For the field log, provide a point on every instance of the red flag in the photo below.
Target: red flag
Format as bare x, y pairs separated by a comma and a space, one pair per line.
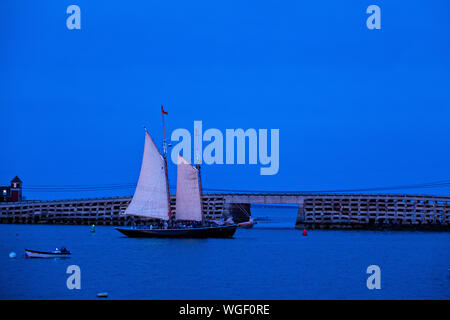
162, 110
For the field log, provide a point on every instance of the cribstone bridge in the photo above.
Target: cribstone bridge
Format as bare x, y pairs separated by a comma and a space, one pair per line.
325, 211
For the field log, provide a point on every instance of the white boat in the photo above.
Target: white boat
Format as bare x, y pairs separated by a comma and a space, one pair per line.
58, 253
247, 224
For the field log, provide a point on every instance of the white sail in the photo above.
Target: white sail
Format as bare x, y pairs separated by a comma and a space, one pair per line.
150, 198
188, 205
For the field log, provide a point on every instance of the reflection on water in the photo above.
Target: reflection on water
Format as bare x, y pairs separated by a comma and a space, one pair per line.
274, 216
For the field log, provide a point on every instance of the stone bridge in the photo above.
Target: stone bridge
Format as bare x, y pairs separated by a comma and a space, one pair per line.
353, 211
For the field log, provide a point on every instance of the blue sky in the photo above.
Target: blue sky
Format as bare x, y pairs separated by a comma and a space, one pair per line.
355, 107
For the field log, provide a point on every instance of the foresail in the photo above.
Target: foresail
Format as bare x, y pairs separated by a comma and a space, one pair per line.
150, 197
188, 205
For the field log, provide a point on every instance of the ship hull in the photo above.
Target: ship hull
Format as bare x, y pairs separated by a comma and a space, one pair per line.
203, 232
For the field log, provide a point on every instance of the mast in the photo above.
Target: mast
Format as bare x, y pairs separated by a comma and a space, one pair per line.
165, 162
199, 178
201, 192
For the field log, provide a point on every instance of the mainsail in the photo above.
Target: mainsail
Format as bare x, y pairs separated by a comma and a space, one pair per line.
188, 205
151, 198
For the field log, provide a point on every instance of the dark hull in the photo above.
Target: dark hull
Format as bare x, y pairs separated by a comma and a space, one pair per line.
42, 254
204, 232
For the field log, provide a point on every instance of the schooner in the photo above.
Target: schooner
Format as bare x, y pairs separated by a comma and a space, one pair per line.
152, 199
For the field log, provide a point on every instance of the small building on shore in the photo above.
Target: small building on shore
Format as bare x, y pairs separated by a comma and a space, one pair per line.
13, 192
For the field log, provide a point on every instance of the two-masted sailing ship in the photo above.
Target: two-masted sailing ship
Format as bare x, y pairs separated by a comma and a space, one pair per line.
151, 199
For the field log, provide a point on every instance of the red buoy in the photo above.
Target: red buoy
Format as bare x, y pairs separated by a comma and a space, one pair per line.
304, 232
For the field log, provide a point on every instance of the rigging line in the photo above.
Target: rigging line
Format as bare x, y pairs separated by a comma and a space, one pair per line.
339, 190
84, 188
243, 210
245, 191
309, 191
221, 189
133, 184
67, 188
79, 186
79, 189
238, 190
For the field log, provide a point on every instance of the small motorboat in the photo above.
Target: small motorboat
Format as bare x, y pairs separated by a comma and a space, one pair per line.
57, 253
247, 224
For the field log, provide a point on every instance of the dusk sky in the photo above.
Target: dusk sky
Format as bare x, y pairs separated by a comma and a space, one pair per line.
356, 108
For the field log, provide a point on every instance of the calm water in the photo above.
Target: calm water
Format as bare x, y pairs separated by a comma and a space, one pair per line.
271, 261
